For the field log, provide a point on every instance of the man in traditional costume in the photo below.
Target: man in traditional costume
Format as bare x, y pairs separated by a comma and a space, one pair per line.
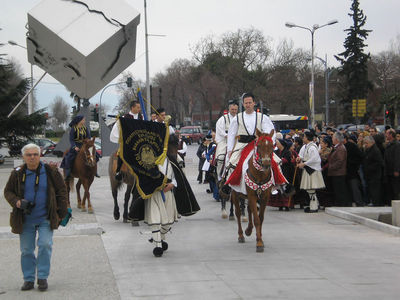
134, 113
160, 210
241, 134
77, 134
221, 136
310, 161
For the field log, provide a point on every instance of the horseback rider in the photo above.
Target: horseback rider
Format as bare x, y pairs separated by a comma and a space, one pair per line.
243, 128
221, 135
78, 133
134, 113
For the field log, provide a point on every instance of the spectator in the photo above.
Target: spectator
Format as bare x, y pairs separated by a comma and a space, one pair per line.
202, 158
392, 167
337, 170
38, 195
354, 160
372, 168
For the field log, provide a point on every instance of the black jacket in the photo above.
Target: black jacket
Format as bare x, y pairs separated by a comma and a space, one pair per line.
354, 160
392, 158
373, 163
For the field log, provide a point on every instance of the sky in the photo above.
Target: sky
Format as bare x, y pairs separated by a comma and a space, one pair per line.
185, 22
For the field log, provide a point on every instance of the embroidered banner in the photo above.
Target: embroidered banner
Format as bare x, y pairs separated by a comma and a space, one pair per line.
143, 146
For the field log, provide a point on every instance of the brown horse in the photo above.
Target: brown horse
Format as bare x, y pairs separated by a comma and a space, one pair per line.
84, 168
128, 179
258, 187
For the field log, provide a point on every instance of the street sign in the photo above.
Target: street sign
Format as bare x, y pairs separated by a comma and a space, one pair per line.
359, 107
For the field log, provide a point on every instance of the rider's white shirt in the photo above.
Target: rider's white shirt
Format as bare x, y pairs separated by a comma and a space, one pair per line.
220, 128
114, 134
250, 122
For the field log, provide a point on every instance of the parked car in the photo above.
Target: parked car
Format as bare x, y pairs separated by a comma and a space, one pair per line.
192, 134
46, 146
354, 128
344, 126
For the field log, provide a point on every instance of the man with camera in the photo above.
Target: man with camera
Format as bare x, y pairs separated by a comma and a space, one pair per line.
38, 196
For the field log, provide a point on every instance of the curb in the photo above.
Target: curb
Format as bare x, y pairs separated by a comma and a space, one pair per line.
70, 230
363, 220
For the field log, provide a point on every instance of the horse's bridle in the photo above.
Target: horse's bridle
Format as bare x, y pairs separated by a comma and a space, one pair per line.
89, 158
250, 180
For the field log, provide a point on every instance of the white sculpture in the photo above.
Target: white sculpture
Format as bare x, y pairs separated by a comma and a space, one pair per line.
83, 44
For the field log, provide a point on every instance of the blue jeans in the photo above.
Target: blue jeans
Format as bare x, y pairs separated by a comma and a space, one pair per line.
214, 188
27, 239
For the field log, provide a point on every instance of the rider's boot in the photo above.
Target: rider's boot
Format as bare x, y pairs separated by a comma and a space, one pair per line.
67, 174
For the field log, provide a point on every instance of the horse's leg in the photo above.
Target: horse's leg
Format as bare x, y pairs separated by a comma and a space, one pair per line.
68, 191
128, 194
78, 193
235, 200
231, 215
249, 228
257, 219
87, 194
114, 191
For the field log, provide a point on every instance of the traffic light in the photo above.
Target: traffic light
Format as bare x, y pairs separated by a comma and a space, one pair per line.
95, 113
129, 82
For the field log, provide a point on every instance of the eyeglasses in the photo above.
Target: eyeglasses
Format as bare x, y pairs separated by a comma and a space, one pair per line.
31, 154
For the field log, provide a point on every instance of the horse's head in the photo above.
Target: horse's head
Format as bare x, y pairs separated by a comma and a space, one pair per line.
264, 148
173, 146
89, 151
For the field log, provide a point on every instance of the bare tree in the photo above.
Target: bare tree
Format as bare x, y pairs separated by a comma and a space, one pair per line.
58, 113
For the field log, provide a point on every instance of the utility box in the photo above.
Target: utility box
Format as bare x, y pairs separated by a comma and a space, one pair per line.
83, 44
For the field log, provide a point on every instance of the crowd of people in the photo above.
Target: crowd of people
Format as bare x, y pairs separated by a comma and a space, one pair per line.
326, 166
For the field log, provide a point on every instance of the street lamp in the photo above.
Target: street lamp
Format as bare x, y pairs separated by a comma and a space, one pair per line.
30, 98
311, 30
327, 75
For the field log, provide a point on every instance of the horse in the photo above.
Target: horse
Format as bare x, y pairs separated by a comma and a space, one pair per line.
258, 187
128, 179
84, 168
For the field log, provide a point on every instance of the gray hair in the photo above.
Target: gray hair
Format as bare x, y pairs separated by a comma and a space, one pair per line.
30, 146
369, 139
339, 136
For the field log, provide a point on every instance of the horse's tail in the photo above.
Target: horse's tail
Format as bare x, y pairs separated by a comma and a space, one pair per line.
112, 165
70, 183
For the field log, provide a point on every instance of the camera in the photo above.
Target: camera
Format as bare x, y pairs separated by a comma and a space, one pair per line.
27, 206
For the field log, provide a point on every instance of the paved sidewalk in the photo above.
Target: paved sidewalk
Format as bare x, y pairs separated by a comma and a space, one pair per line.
307, 256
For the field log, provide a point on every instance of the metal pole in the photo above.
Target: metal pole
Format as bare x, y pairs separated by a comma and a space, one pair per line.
26, 95
30, 98
326, 91
312, 80
148, 102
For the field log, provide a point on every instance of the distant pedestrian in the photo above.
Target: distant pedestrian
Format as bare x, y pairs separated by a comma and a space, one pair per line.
392, 167
38, 196
337, 170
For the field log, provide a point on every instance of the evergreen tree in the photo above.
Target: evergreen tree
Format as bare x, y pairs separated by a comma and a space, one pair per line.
12, 89
353, 60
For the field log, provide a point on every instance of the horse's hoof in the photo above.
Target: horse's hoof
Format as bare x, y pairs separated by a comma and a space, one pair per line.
125, 220
260, 249
83, 209
116, 216
248, 232
90, 210
231, 218
244, 219
224, 214
135, 223
241, 239
79, 206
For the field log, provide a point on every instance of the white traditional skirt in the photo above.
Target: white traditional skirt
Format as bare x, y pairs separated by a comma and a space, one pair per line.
158, 212
312, 182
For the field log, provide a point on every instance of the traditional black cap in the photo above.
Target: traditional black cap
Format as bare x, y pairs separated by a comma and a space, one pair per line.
75, 121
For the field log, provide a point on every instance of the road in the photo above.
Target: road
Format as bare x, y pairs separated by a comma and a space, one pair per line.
307, 256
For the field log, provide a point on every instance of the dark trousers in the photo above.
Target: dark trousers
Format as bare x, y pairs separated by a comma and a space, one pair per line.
340, 190
354, 186
392, 189
374, 189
